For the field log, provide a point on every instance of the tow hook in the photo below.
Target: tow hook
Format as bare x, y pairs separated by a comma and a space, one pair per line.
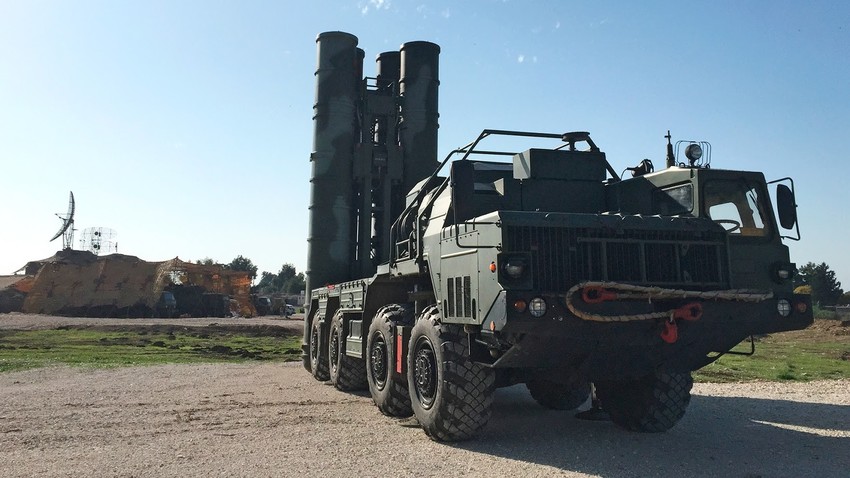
670, 334
692, 311
595, 295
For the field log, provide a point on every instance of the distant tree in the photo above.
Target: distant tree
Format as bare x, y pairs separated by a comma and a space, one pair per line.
826, 290
844, 299
243, 264
287, 271
266, 284
206, 261
295, 284
288, 280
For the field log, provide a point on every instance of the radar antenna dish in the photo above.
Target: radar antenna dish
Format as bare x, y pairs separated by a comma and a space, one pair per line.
67, 228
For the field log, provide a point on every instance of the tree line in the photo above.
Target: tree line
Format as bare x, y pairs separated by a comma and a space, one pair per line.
819, 281
286, 281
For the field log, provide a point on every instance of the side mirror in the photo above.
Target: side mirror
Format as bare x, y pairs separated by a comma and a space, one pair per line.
786, 206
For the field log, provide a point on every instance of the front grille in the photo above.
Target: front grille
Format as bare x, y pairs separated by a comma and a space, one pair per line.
564, 256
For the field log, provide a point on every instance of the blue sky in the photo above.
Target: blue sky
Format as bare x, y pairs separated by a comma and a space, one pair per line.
186, 125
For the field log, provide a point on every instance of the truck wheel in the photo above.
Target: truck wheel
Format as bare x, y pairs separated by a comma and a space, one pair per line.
559, 396
388, 388
346, 373
450, 395
650, 404
318, 352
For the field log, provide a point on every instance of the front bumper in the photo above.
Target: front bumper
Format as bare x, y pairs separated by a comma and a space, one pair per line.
633, 347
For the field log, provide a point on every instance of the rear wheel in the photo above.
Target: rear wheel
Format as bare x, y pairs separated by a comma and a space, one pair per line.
318, 352
346, 373
450, 395
653, 403
559, 396
388, 388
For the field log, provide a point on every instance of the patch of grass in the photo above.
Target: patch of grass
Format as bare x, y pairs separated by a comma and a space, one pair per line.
782, 357
94, 347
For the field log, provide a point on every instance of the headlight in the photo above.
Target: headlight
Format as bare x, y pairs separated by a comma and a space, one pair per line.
537, 307
693, 152
514, 268
783, 307
782, 272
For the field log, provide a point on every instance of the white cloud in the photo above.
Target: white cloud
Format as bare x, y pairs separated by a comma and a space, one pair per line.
446, 13
522, 58
374, 4
423, 11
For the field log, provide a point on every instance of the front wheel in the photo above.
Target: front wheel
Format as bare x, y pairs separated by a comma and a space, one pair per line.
450, 395
651, 404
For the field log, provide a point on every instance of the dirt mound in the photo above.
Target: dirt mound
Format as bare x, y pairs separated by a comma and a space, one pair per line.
830, 327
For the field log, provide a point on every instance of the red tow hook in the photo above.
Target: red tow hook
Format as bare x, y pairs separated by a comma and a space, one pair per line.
595, 295
692, 311
670, 334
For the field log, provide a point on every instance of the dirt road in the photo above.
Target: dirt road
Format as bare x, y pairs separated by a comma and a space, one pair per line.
272, 419
275, 420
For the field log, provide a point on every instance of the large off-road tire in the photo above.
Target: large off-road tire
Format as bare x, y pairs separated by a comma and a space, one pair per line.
450, 395
318, 352
650, 404
388, 388
346, 373
559, 396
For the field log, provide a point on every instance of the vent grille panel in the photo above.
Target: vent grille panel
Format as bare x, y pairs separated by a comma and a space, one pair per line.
563, 256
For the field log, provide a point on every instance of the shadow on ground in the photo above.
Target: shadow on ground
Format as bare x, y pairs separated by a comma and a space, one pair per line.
719, 436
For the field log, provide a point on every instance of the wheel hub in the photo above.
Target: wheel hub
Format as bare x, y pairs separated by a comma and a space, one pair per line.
425, 375
314, 345
378, 356
334, 350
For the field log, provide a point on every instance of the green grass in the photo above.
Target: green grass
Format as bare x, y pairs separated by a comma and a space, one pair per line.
796, 356
101, 347
781, 358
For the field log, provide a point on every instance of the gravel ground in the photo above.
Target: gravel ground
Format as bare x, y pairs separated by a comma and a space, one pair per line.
272, 419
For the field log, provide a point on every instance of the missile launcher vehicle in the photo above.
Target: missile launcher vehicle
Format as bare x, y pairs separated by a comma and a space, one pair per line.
433, 283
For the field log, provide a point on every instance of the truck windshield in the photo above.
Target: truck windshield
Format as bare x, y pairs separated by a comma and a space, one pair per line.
736, 205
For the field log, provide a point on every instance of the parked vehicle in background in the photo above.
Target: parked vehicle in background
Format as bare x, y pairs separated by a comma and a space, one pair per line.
215, 304
166, 306
263, 306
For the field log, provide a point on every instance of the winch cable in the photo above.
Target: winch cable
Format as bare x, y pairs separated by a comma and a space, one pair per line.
596, 292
